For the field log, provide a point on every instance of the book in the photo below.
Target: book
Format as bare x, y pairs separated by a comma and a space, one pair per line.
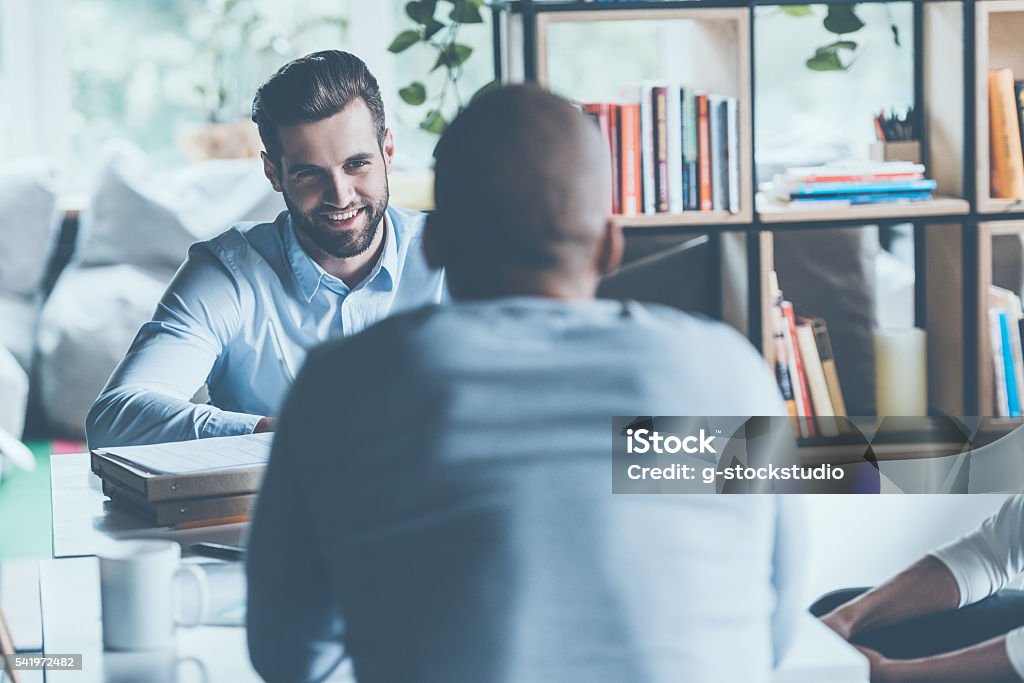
688, 105
801, 391
1012, 393
819, 201
850, 188
1006, 158
605, 115
828, 365
674, 121
659, 105
703, 153
998, 363
174, 512
820, 399
647, 161
630, 171
732, 154
853, 171
187, 469
783, 371
719, 172
1007, 306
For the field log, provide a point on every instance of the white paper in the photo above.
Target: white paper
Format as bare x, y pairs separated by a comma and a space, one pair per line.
199, 455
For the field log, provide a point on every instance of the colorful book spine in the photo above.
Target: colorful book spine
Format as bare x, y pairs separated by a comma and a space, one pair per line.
704, 153
1006, 156
647, 185
675, 150
631, 173
659, 100
719, 173
732, 154
1012, 394
812, 189
690, 153
998, 363
801, 391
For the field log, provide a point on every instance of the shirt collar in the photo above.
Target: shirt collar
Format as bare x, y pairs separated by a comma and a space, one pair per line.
310, 276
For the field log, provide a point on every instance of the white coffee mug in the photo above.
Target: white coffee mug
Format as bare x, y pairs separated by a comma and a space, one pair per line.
138, 594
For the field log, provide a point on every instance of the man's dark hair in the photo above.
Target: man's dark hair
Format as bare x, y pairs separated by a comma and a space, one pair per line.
313, 88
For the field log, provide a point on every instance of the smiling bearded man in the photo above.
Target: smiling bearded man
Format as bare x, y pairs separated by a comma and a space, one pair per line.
246, 306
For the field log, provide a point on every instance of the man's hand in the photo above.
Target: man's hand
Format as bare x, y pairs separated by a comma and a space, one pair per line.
880, 666
266, 424
837, 621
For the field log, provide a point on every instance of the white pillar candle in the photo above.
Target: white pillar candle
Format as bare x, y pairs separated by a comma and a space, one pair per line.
901, 372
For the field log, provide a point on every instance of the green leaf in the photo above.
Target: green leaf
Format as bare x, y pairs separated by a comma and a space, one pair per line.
421, 12
466, 12
842, 19
433, 122
415, 94
486, 88
828, 61
452, 56
842, 45
432, 28
403, 41
797, 10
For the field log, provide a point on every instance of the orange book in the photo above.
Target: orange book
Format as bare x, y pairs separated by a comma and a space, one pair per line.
1006, 160
704, 152
629, 177
801, 391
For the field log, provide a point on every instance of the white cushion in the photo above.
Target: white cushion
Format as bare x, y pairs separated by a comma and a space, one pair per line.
146, 217
18, 316
86, 326
28, 221
14, 390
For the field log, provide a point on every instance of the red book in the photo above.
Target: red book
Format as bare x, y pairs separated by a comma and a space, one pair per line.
631, 173
660, 98
860, 178
704, 152
802, 390
600, 112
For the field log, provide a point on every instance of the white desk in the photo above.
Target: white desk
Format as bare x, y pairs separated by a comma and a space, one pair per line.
83, 518
70, 614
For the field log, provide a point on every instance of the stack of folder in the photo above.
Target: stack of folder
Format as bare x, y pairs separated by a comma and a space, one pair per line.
190, 483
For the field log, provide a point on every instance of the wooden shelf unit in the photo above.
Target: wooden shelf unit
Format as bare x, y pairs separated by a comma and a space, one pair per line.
958, 41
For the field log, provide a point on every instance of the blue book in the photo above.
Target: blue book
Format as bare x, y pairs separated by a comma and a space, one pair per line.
1012, 395
865, 198
801, 189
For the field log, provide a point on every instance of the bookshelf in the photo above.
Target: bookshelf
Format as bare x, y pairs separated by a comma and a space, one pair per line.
955, 43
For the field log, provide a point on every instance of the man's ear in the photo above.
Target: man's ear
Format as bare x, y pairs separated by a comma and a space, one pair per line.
270, 170
432, 251
609, 253
388, 150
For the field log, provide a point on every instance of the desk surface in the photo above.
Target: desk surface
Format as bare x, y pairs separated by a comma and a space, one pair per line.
68, 591
83, 518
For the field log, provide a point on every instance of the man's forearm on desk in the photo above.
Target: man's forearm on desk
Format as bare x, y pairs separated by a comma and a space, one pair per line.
126, 418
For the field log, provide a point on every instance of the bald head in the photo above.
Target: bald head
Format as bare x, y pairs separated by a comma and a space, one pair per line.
521, 190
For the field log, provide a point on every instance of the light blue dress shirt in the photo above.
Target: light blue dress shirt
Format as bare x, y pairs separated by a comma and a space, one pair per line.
239, 316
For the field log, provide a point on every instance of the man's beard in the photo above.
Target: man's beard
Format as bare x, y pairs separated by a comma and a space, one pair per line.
339, 245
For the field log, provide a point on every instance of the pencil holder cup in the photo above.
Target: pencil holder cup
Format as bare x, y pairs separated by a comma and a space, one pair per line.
904, 150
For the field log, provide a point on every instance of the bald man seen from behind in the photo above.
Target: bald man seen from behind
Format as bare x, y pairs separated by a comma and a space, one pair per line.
438, 503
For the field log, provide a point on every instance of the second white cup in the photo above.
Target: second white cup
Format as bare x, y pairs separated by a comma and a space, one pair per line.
138, 586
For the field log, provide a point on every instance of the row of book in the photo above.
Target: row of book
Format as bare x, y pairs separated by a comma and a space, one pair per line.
805, 369
1004, 326
672, 149
186, 484
851, 183
1006, 129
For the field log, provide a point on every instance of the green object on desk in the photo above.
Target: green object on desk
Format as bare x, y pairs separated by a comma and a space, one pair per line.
25, 517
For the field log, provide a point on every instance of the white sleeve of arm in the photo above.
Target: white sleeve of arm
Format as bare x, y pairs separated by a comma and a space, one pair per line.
985, 560
147, 398
294, 627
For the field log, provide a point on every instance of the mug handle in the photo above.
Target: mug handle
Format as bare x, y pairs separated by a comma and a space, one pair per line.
203, 589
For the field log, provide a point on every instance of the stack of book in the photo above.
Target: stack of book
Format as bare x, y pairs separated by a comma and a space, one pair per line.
805, 369
672, 149
1004, 327
851, 183
185, 484
1006, 116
